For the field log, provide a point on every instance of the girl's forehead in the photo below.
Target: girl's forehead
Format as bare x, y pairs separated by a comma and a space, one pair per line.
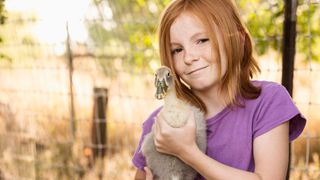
185, 23
187, 18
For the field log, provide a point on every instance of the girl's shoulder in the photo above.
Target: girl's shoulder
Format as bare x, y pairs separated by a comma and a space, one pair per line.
273, 107
271, 89
273, 98
267, 85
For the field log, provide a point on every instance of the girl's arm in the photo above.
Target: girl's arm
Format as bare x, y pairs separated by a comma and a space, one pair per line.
270, 152
140, 175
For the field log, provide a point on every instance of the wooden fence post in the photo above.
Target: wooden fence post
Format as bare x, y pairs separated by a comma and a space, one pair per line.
99, 125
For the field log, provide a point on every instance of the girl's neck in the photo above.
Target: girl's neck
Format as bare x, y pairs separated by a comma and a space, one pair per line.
213, 101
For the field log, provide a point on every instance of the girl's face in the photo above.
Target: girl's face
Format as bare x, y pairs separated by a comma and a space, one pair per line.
194, 59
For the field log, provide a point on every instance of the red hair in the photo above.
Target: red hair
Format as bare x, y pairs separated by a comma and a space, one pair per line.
241, 65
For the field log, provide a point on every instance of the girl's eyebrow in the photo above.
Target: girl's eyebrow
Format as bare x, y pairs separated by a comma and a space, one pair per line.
194, 36
174, 44
198, 34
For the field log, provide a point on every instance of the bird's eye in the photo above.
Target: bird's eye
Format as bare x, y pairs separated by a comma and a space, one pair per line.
168, 74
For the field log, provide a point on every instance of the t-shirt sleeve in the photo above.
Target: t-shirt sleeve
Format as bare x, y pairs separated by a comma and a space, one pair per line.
275, 108
138, 159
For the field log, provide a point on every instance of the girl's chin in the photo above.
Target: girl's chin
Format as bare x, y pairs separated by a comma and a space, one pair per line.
202, 86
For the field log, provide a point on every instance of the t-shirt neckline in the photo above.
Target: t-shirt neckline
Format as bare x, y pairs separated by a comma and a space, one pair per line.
218, 116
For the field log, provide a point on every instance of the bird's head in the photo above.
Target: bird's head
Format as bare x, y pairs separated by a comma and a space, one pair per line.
163, 82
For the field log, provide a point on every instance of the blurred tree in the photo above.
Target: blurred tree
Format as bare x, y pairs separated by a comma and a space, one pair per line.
264, 20
18, 42
2, 20
2, 11
308, 29
130, 33
131, 29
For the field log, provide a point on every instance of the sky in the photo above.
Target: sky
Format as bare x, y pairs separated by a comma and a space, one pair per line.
53, 16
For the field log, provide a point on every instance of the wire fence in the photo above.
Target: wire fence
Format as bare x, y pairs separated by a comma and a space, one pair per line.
73, 110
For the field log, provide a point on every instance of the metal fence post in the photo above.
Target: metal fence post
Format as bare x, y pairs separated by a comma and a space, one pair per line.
288, 52
70, 68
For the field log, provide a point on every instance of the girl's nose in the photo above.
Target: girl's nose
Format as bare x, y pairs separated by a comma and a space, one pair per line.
190, 56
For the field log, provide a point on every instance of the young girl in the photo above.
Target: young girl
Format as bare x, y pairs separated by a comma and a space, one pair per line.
249, 123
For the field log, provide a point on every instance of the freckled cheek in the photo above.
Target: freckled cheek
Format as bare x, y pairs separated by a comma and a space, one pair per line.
178, 71
211, 55
178, 67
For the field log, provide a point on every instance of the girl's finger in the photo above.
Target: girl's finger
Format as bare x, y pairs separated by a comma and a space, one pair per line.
149, 175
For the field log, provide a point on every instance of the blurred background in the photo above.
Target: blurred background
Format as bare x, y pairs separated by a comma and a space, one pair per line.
76, 82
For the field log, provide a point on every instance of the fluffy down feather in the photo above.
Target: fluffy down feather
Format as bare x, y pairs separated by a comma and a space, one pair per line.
175, 111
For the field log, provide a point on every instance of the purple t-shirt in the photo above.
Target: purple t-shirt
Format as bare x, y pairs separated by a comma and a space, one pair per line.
231, 132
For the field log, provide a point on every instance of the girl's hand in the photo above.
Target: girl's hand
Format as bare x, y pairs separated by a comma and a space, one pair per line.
149, 175
175, 141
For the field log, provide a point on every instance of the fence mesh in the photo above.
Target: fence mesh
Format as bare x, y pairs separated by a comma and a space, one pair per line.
38, 107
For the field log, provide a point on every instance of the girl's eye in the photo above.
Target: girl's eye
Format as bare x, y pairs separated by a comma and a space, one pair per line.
200, 41
176, 51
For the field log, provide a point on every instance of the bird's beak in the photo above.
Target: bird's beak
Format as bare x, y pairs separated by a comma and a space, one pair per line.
162, 88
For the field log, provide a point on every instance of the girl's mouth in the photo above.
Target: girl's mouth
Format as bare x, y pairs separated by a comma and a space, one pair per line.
195, 70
